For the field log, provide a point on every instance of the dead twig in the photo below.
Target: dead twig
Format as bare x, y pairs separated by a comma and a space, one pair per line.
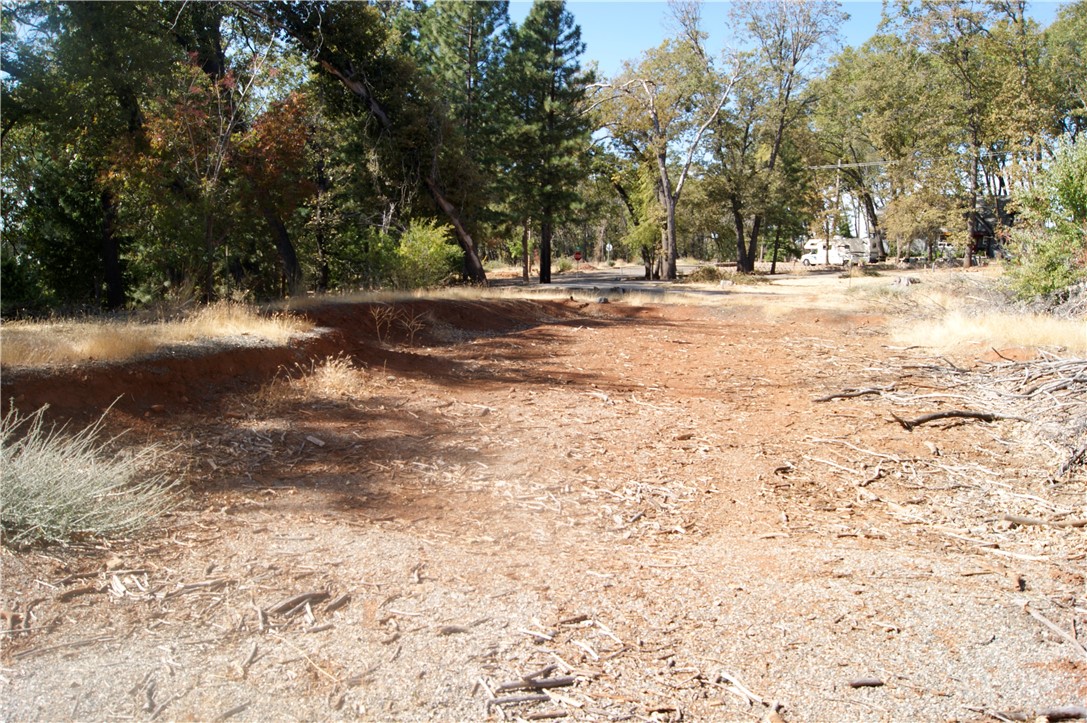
735, 686
307, 658
850, 393
243, 667
293, 604
62, 646
338, 603
1057, 629
538, 683
1018, 520
77, 591
1068, 712
213, 584
234, 711
510, 699
909, 424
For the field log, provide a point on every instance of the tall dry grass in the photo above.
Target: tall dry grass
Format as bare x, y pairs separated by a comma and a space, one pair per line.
69, 341
334, 378
953, 310
957, 329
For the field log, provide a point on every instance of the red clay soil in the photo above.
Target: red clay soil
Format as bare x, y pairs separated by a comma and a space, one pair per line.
526, 509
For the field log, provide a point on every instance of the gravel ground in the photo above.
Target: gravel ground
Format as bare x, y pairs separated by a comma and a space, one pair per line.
590, 511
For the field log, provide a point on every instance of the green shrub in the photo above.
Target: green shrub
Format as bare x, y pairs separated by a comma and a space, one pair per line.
55, 487
1050, 244
562, 265
426, 257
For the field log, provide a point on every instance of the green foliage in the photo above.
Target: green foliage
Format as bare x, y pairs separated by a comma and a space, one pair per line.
1051, 242
56, 487
548, 137
56, 228
768, 111
425, 257
1066, 66
642, 241
245, 149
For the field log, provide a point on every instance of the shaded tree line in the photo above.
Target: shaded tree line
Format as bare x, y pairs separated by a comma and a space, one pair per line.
259, 150
230, 149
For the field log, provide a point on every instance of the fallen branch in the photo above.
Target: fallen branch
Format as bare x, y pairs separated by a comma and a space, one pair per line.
511, 699
213, 584
297, 602
538, 683
1017, 520
234, 711
1057, 629
850, 393
1068, 712
909, 424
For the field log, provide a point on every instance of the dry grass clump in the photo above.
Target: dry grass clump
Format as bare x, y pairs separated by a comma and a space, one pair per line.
332, 378
55, 486
61, 342
997, 329
953, 310
704, 275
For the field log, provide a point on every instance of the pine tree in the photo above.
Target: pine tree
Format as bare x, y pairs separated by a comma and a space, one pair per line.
462, 47
549, 132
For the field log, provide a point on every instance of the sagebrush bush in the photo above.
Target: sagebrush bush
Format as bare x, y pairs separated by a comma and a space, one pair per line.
56, 486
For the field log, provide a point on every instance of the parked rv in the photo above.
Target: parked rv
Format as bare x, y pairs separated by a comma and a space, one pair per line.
831, 257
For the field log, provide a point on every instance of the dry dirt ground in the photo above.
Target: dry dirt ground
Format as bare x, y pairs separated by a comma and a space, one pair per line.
529, 509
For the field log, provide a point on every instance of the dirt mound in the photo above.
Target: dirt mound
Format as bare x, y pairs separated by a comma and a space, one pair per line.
200, 375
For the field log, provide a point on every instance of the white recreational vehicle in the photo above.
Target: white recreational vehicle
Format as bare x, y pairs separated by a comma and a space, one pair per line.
838, 252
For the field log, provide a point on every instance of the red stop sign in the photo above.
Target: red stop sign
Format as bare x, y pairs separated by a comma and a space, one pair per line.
577, 256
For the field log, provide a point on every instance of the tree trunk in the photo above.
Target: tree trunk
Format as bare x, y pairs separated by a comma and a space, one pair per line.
111, 254
972, 216
525, 259
208, 282
668, 202
741, 245
545, 249
323, 272
473, 266
777, 243
753, 241
288, 257
671, 251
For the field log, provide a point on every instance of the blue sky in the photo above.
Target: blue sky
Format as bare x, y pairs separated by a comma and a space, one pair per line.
618, 30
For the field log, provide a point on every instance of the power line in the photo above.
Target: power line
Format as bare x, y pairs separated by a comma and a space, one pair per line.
871, 164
